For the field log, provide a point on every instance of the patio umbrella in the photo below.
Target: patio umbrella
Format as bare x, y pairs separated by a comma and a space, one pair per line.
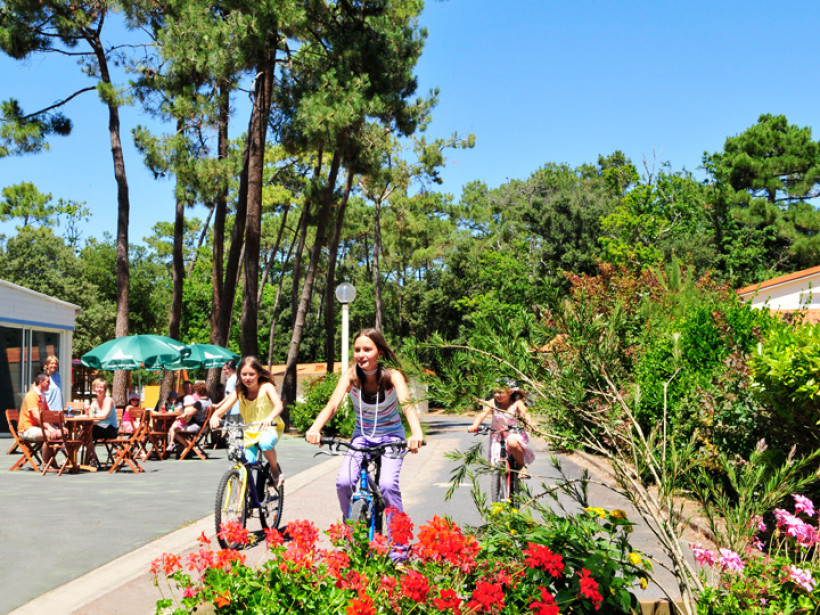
134, 351
206, 356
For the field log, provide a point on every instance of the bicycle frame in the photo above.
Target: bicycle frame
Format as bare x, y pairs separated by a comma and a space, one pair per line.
367, 489
506, 463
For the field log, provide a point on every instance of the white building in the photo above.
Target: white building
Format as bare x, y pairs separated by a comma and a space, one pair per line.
794, 292
32, 327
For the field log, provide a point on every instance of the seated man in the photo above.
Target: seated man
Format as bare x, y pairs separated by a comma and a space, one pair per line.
30, 427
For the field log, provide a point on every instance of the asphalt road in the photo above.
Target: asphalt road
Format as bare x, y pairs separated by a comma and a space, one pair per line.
82, 543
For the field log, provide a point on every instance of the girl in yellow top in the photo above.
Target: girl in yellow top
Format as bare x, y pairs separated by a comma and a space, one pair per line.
260, 407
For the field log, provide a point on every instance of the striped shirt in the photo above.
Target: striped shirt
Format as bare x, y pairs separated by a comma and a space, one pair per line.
376, 418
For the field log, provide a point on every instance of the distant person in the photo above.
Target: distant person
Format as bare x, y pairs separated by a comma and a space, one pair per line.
103, 406
54, 395
129, 423
229, 370
29, 426
508, 409
194, 412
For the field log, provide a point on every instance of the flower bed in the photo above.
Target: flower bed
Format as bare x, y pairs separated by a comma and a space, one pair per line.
513, 564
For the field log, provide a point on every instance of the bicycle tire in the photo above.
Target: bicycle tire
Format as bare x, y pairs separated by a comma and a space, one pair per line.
271, 500
230, 505
498, 483
360, 512
377, 507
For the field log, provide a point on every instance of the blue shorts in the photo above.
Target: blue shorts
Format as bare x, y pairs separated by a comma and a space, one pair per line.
267, 440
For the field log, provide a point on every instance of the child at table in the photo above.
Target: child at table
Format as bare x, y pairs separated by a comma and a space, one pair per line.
129, 424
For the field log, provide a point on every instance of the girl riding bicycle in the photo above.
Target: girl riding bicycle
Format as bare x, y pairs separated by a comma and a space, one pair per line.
376, 393
507, 408
260, 407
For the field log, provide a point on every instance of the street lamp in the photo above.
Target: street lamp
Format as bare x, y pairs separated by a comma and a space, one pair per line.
345, 294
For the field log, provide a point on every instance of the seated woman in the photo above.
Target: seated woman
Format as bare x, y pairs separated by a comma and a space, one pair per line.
103, 406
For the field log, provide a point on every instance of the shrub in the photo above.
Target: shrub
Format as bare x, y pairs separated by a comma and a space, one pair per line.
317, 392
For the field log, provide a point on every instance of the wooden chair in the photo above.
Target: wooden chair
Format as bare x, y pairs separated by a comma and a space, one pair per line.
157, 435
30, 450
123, 447
195, 440
76, 406
60, 444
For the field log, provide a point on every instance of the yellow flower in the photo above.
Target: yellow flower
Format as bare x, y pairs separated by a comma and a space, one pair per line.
513, 532
643, 583
618, 514
635, 558
597, 511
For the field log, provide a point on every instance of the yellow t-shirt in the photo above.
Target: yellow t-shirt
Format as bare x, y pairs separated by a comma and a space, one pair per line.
253, 412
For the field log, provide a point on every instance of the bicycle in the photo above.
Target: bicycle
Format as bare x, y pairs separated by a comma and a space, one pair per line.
367, 503
504, 481
246, 490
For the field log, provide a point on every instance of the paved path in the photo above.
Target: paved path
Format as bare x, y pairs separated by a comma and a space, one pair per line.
82, 544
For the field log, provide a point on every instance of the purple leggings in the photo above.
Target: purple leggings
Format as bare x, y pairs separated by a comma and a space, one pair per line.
388, 479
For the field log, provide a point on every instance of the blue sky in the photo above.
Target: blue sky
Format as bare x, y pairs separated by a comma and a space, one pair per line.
535, 81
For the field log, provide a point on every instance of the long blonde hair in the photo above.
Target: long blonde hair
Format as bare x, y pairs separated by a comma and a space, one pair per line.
384, 374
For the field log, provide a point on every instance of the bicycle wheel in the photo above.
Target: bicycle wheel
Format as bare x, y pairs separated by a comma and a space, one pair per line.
271, 500
230, 504
360, 512
498, 483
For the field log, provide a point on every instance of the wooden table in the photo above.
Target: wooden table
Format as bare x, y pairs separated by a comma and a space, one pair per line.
160, 424
81, 427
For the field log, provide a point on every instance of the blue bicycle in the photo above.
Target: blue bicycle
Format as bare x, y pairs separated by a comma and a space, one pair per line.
367, 503
246, 490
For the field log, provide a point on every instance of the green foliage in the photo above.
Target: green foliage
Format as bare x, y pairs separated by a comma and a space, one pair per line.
317, 393
21, 134
785, 369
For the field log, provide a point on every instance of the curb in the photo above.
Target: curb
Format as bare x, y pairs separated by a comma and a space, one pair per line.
125, 569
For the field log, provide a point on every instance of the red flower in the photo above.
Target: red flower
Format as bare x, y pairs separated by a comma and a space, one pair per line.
415, 586
589, 588
361, 605
223, 599
273, 538
486, 596
379, 544
168, 563
449, 600
539, 556
547, 606
339, 533
226, 557
234, 532
353, 580
200, 560
304, 534
336, 561
442, 541
400, 528
204, 539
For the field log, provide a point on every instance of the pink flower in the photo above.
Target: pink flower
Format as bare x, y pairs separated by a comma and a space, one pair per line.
704, 557
803, 504
801, 577
758, 521
729, 560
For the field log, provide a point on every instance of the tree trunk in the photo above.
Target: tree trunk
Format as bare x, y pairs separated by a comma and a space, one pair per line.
220, 213
289, 382
273, 253
123, 214
275, 310
377, 283
332, 254
200, 241
257, 131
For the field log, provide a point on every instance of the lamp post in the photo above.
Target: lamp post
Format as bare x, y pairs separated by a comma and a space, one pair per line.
345, 294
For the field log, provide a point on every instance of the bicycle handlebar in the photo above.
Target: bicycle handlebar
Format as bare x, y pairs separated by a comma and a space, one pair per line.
335, 444
483, 430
